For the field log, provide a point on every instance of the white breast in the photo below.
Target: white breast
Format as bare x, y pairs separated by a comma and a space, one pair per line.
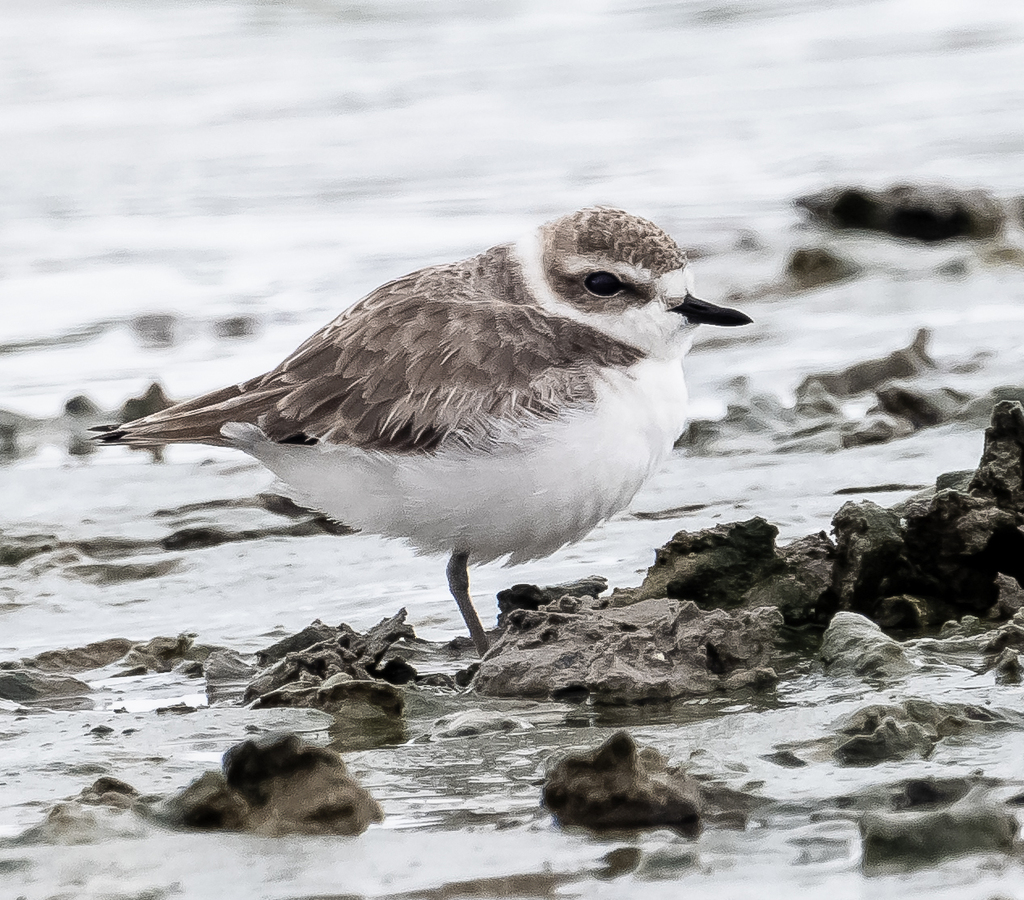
538, 489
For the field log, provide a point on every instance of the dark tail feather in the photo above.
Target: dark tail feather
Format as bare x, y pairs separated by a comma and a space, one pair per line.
196, 421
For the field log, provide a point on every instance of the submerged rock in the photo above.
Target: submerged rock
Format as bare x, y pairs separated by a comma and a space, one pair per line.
900, 385
652, 650
618, 786
920, 837
921, 408
922, 212
474, 723
161, 654
276, 785
110, 791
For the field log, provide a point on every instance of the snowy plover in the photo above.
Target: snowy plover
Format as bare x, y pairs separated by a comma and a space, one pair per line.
499, 406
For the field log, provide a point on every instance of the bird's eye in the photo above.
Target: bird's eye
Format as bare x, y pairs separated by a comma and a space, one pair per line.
604, 284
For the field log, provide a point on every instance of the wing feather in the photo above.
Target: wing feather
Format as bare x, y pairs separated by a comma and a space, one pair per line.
426, 360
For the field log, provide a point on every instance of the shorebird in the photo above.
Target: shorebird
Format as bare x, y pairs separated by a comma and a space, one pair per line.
500, 406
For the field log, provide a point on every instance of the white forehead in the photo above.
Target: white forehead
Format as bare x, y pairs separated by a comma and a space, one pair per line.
677, 283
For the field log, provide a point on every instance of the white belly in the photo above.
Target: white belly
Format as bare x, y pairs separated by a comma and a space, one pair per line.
532, 493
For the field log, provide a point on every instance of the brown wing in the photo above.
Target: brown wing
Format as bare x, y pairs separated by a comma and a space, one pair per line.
428, 359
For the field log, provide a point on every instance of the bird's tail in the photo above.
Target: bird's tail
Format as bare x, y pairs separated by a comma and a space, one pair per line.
197, 421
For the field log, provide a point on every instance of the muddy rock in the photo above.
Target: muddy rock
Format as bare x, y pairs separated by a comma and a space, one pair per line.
978, 412
532, 597
926, 213
1000, 474
876, 428
715, 566
154, 400
334, 651
903, 403
869, 561
340, 692
800, 588
80, 659
618, 786
38, 688
315, 633
651, 650
207, 804
473, 723
1008, 636
11, 427
227, 674
854, 645
1010, 599
958, 546
110, 791
276, 785
337, 670
1007, 667
161, 654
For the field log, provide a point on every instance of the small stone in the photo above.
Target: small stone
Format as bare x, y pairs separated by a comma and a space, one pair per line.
619, 787
854, 645
811, 267
295, 787
1008, 667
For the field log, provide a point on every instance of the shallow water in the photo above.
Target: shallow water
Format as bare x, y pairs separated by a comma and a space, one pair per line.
189, 191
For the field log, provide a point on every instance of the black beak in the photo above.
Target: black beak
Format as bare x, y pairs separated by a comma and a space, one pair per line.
700, 312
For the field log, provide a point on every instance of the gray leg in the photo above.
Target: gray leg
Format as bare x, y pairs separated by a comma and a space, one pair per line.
458, 584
